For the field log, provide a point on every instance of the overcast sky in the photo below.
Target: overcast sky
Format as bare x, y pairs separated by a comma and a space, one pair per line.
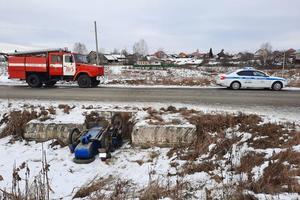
173, 25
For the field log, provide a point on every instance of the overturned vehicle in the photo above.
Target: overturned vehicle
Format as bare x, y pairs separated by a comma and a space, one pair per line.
97, 140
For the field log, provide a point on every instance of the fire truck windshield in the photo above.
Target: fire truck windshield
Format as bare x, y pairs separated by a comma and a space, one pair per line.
79, 58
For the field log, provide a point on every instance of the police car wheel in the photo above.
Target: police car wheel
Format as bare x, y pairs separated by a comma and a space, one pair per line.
235, 85
277, 86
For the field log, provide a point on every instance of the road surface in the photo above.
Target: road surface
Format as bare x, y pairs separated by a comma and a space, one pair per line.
212, 96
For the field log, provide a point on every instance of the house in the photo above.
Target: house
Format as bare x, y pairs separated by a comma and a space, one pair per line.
107, 58
131, 59
92, 57
149, 60
279, 56
2, 61
173, 55
223, 55
197, 54
182, 55
238, 57
110, 59
259, 53
297, 56
120, 58
160, 55
291, 53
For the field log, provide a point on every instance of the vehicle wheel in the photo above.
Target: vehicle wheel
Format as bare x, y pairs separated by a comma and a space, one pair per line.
34, 80
50, 83
117, 121
84, 81
74, 136
277, 86
83, 161
95, 83
235, 85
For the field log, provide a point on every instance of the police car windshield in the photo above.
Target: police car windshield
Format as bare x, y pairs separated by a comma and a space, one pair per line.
79, 58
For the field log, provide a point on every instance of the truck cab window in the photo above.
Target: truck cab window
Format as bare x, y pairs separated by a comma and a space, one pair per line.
56, 59
68, 59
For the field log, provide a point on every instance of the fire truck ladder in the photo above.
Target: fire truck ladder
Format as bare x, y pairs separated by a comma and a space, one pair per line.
35, 52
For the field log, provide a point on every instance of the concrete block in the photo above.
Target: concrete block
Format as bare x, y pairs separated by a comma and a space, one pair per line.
162, 135
42, 132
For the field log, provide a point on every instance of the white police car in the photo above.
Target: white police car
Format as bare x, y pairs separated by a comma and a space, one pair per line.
250, 78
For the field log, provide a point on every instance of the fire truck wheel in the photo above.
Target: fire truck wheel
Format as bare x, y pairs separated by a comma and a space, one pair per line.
84, 81
95, 83
34, 80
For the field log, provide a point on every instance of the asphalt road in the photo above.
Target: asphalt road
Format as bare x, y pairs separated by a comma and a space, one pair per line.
212, 96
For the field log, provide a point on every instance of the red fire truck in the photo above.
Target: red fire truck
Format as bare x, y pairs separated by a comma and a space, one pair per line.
51, 65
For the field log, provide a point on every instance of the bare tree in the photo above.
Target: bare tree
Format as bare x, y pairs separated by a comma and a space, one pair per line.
266, 52
124, 52
80, 48
210, 54
115, 51
140, 47
102, 50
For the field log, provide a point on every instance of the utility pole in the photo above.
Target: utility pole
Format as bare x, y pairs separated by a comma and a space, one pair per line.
96, 38
283, 65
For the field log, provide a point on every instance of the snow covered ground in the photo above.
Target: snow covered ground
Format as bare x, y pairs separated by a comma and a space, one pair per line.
209, 174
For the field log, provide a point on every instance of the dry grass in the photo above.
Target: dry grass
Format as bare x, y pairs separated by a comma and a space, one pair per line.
249, 161
16, 123
206, 124
155, 191
66, 108
192, 167
5, 119
25, 189
186, 113
129, 82
108, 188
279, 177
189, 81
91, 187
112, 188
153, 155
154, 117
44, 114
51, 110
268, 135
93, 119
43, 111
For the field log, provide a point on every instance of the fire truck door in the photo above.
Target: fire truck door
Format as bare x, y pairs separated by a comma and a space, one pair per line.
69, 65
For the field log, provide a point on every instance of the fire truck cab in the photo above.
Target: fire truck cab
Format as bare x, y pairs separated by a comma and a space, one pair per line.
46, 67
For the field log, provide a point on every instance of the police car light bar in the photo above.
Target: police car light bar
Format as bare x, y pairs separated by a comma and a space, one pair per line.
248, 67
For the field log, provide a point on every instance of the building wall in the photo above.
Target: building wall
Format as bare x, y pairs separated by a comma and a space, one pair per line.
298, 56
